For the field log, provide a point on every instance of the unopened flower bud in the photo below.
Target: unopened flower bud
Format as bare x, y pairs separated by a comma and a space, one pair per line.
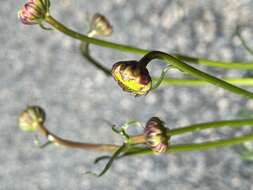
100, 26
31, 117
131, 77
34, 11
156, 135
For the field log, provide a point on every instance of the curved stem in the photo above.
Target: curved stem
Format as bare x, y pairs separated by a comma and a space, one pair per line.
139, 139
245, 45
194, 72
130, 49
125, 48
75, 144
84, 47
171, 81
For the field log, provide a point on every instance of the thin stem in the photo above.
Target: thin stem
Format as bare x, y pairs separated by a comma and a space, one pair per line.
140, 139
84, 47
208, 125
194, 72
74, 144
167, 80
130, 49
194, 147
80, 145
245, 45
125, 48
196, 82
221, 64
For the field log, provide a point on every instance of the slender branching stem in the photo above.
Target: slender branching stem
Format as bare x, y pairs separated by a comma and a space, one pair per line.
167, 80
140, 139
130, 49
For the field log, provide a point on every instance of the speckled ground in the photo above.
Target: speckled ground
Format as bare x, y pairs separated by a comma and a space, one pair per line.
45, 68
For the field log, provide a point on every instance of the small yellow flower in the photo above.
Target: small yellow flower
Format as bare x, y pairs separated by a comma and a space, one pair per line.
131, 77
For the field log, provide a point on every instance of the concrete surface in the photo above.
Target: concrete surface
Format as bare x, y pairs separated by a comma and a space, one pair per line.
45, 68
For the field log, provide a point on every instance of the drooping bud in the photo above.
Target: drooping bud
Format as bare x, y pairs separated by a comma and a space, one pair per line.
31, 117
34, 11
100, 26
131, 77
156, 135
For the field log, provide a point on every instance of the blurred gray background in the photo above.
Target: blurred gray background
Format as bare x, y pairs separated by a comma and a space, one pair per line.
45, 68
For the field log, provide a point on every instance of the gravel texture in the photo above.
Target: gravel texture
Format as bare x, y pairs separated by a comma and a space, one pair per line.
45, 68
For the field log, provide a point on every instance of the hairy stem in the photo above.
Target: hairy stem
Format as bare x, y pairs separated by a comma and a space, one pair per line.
130, 49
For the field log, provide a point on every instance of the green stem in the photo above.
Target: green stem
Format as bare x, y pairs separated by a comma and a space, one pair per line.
125, 48
221, 64
208, 125
194, 72
130, 49
194, 147
196, 82
245, 45
171, 81
84, 47
168, 80
140, 139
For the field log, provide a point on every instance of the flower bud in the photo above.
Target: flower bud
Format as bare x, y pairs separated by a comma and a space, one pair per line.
31, 117
100, 26
156, 135
34, 11
131, 77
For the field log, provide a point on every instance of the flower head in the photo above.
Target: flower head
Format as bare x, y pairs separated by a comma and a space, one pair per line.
156, 135
31, 117
100, 26
131, 77
34, 11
